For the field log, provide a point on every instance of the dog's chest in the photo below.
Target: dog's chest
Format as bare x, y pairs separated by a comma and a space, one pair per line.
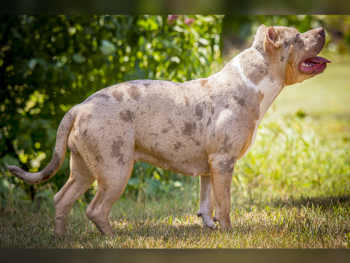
267, 90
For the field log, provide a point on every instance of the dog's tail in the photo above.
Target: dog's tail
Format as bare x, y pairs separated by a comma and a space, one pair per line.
58, 156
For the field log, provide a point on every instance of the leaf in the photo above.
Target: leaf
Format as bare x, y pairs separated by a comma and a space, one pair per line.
32, 63
170, 220
45, 194
72, 76
133, 182
42, 62
177, 184
10, 160
178, 29
15, 33
26, 72
4, 185
88, 30
78, 58
152, 186
28, 144
203, 41
107, 47
148, 24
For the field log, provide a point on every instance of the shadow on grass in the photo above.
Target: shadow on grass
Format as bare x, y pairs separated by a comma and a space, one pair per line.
324, 201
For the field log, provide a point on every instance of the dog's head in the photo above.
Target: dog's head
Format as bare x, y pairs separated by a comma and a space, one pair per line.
292, 55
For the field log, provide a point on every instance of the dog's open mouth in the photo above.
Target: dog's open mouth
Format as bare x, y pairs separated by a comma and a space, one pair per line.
313, 65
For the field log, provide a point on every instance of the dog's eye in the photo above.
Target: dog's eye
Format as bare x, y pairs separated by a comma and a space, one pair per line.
297, 35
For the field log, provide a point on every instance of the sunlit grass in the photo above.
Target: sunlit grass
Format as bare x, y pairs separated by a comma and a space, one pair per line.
289, 159
312, 223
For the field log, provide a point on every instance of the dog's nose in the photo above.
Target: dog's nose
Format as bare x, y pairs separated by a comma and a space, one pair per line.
320, 31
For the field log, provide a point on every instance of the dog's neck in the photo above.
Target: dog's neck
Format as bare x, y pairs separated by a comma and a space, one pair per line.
269, 86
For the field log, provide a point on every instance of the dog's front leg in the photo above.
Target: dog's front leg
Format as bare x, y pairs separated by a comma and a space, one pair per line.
207, 201
221, 168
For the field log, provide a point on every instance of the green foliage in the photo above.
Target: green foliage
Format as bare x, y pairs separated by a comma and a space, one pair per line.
50, 63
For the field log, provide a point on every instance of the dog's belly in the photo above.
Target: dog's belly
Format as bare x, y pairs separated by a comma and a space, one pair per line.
181, 161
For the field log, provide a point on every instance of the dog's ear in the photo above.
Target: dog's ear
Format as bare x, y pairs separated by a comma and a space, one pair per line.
262, 28
271, 39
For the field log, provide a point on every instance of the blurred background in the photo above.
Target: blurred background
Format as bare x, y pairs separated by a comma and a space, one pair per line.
50, 63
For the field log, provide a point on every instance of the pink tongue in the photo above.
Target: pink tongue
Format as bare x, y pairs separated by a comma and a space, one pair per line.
319, 60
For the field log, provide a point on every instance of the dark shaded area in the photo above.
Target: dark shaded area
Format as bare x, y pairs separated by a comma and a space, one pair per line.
176, 7
323, 201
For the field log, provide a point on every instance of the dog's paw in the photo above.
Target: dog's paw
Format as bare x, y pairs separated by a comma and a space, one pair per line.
213, 226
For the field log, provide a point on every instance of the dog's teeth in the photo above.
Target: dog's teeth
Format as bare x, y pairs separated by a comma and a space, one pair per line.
304, 64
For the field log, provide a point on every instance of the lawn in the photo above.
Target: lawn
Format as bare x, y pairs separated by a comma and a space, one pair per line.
291, 191
301, 223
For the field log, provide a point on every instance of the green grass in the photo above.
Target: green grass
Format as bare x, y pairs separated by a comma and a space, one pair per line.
301, 223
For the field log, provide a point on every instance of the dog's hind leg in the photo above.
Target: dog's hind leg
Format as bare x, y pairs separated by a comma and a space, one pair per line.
112, 178
107, 194
78, 183
207, 201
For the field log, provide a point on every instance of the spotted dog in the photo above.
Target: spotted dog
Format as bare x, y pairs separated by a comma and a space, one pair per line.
197, 128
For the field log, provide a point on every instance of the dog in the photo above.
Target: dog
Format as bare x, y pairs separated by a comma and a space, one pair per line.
197, 128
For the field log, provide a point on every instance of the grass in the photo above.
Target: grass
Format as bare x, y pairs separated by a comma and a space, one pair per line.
301, 223
291, 191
